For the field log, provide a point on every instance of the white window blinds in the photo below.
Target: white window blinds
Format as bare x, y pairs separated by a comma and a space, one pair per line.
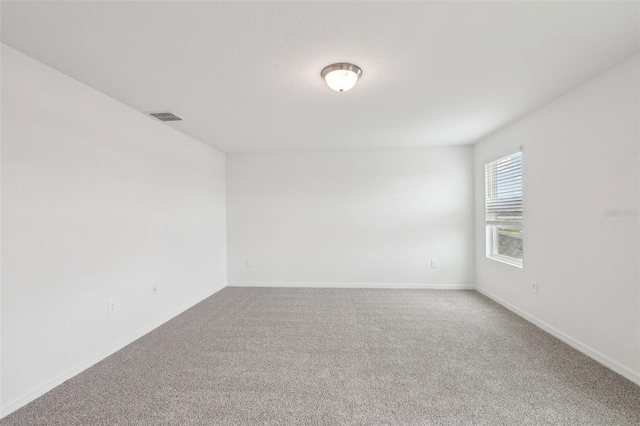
503, 191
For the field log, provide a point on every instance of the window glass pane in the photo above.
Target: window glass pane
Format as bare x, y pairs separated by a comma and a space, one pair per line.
509, 241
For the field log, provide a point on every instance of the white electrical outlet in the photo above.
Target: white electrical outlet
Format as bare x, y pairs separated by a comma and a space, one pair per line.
249, 263
434, 263
154, 290
534, 286
111, 306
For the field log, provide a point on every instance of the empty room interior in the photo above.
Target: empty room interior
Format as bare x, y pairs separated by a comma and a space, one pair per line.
320, 213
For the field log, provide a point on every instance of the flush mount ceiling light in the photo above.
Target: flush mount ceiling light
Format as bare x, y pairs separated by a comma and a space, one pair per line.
341, 77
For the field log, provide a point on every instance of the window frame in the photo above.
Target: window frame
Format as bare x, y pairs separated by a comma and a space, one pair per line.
491, 235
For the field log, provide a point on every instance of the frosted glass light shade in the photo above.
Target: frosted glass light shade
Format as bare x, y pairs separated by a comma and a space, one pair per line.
341, 80
341, 77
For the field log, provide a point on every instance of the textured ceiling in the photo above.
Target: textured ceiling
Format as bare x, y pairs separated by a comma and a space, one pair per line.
245, 76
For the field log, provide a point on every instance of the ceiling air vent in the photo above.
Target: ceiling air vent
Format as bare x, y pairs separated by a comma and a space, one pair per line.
165, 116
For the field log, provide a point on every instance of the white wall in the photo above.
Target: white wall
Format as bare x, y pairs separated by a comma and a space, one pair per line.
351, 217
580, 158
98, 202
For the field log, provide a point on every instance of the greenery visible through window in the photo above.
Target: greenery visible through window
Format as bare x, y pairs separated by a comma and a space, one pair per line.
503, 209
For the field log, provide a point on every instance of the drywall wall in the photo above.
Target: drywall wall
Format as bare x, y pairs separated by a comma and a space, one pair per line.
351, 218
98, 202
580, 160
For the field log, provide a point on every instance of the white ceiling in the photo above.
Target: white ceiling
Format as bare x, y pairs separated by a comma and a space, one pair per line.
245, 76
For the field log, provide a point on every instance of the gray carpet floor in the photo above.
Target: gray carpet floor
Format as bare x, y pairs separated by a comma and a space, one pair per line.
255, 356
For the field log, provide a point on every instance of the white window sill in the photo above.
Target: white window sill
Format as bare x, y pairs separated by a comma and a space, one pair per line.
506, 259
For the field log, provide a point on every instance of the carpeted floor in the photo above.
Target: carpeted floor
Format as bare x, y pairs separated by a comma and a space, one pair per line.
253, 356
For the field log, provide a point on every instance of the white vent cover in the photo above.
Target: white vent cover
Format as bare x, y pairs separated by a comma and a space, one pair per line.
165, 116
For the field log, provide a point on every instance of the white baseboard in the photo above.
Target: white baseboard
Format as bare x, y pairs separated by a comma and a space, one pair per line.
576, 344
40, 390
353, 285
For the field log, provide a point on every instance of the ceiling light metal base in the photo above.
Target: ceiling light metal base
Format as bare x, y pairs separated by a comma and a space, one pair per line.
341, 66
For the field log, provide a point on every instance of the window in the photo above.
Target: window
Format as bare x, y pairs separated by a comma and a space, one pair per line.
503, 209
